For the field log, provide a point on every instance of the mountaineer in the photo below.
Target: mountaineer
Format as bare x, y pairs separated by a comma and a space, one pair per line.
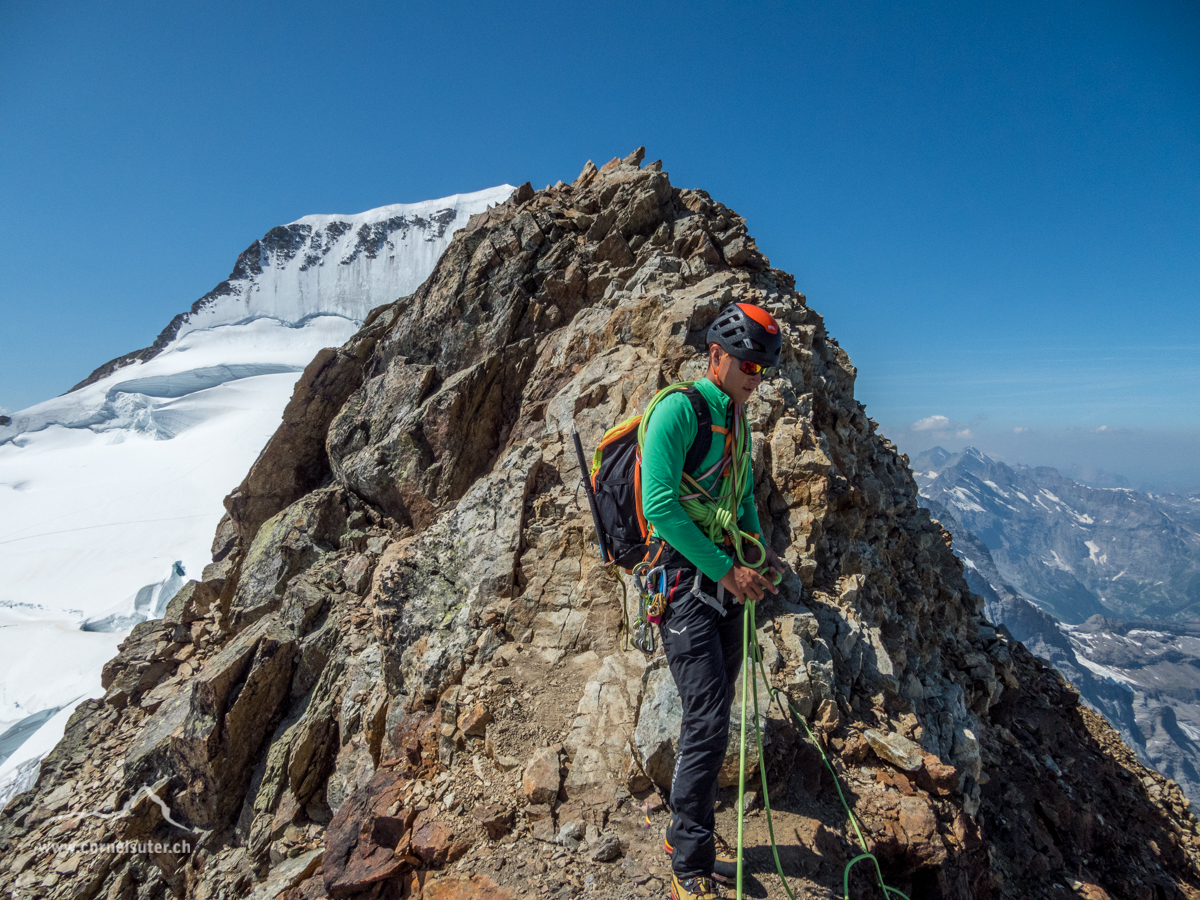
704, 585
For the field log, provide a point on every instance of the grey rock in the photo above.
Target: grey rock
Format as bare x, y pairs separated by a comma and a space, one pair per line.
658, 722
608, 848
896, 749
208, 732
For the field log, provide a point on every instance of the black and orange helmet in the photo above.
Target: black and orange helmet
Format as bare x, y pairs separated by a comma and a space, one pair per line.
747, 332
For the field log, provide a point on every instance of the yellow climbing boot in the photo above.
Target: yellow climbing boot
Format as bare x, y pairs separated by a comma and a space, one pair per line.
695, 888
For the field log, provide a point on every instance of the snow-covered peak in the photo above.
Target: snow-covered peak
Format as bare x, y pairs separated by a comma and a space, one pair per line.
423, 209
338, 264
302, 286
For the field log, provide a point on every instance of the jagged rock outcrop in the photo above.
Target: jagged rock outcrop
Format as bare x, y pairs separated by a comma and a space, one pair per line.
402, 674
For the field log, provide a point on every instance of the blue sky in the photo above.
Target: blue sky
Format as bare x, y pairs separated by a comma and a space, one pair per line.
996, 207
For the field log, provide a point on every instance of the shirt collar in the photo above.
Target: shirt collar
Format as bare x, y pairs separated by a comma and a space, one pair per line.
714, 395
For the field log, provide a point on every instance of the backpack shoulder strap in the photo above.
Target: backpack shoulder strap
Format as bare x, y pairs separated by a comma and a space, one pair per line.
704, 430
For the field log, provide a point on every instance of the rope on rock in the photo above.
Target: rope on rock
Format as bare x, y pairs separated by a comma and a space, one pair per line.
753, 663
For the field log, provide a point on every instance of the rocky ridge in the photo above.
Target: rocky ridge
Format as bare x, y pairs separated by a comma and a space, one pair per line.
401, 675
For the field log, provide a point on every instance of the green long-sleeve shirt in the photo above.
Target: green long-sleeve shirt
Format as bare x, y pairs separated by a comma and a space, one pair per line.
669, 434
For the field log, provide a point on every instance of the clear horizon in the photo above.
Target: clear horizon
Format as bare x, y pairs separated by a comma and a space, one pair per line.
994, 209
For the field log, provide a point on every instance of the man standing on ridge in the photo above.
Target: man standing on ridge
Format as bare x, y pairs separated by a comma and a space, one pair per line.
705, 586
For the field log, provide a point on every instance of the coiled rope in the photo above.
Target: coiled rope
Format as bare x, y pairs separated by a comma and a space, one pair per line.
717, 517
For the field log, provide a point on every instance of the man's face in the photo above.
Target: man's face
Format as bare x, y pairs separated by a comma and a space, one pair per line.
734, 382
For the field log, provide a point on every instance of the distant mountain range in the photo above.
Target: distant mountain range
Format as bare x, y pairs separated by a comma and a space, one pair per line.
1102, 582
1080, 551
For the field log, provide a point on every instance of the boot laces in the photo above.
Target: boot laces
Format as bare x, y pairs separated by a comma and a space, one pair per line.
724, 848
699, 887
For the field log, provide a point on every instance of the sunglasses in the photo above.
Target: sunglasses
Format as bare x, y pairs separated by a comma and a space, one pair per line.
753, 368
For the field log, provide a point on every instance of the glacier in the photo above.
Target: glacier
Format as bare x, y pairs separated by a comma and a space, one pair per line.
110, 494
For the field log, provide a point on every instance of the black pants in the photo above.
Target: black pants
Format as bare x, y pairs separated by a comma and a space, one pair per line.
704, 652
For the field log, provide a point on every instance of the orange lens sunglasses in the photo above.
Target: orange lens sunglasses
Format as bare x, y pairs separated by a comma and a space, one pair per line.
753, 368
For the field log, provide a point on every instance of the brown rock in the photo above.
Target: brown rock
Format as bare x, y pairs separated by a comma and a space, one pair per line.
523, 195
590, 814
495, 819
465, 887
541, 779
937, 777
357, 574
312, 888
615, 249
432, 841
361, 841
856, 750
586, 177
653, 803
828, 717
642, 216
894, 779
474, 722
544, 830
918, 831
295, 460
414, 742
813, 835
535, 812
1089, 891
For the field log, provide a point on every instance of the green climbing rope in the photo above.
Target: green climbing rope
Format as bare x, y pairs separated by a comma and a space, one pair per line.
717, 517
752, 660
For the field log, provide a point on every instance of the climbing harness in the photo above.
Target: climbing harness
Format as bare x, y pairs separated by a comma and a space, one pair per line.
753, 663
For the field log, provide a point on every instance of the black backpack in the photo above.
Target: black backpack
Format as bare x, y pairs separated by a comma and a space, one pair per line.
615, 480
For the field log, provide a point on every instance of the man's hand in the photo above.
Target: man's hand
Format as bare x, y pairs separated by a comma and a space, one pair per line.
744, 582
775, 563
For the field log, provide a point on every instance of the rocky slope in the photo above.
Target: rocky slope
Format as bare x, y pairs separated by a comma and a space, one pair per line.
1144, 676
401, 675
